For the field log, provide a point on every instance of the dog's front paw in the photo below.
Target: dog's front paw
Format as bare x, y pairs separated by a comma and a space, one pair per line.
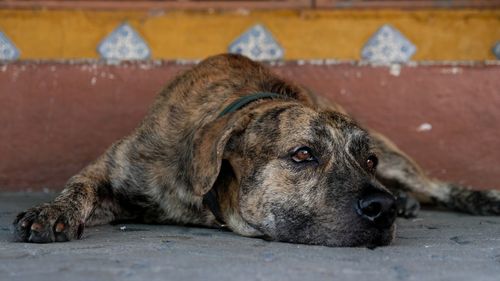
47, 223
406, 205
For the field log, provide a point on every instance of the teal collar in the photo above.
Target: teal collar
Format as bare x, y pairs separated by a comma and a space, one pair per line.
241, 102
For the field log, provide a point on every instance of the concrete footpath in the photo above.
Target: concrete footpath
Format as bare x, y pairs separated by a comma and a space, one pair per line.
435, 246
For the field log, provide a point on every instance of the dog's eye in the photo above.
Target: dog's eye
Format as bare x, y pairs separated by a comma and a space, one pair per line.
371, 163
302, 154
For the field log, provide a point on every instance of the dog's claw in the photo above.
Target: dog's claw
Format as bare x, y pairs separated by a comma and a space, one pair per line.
407, 206
59, 227
79, 232
36, 227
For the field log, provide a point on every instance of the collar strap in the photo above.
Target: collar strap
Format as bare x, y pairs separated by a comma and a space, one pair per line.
241, 102
210, 201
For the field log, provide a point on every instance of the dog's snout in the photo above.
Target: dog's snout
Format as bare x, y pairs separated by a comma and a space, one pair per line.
378, 208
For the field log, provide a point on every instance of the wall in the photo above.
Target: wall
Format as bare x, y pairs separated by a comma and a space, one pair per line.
307, 34
57, 117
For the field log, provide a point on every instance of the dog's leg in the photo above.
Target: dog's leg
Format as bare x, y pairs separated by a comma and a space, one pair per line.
403, 176
81, 202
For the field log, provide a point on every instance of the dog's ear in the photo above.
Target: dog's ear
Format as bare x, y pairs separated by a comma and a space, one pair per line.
208, 149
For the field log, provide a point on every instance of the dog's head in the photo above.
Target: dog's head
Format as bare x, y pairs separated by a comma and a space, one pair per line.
293, 173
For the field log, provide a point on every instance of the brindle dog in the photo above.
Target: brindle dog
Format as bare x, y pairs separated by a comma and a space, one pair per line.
281, 164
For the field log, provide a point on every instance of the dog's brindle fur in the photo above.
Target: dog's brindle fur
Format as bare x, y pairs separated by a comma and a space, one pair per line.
183, 149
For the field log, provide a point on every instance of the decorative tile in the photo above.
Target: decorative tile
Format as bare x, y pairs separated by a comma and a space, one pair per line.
388, 45
496, 49
8, 50
257, 43
124, 43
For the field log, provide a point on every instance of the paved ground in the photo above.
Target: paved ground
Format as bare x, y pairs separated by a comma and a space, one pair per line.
435, 246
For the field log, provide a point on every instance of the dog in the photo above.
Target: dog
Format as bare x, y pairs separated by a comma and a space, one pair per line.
230, 144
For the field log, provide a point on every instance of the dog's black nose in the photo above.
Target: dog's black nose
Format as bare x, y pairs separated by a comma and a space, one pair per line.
378, 208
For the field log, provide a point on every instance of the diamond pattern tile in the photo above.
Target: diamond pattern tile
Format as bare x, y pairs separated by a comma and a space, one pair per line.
388, 45
8, 50
496, 49
257, 43
124, 43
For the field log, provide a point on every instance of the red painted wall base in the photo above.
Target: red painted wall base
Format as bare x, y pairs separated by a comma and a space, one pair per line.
57, 117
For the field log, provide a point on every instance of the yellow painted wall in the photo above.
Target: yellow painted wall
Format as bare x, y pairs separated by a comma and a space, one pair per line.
438, 34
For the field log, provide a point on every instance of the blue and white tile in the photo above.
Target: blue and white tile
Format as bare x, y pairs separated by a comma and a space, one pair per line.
124, 43
8, 50
496, 49
257, 43
388, 45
